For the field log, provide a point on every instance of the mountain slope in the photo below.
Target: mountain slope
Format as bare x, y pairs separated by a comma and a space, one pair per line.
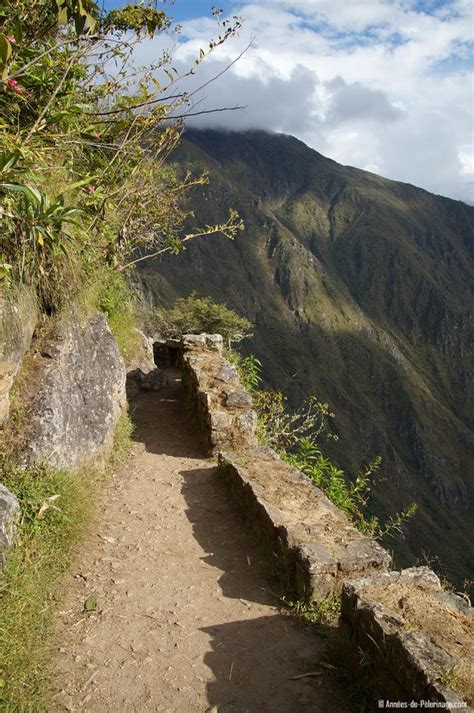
360, 289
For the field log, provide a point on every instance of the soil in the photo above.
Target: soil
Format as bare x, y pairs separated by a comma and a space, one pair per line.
183, 615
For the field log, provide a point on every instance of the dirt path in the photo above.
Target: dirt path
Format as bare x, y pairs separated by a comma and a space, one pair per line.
184, 619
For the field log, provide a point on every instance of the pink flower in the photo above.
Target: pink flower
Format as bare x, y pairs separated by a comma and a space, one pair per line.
90, 189
11, 39
96, 135
13, 85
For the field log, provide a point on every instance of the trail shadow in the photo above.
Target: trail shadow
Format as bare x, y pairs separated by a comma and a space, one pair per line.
227, 539
162, 422
253, 662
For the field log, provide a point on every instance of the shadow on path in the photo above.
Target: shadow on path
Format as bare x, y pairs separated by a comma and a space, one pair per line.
254, 650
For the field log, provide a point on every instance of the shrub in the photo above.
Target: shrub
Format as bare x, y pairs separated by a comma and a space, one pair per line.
84, 177
195, 315
295, 435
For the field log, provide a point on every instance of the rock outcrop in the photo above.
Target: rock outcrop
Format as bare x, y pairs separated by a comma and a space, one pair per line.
9, 512
79, 395
17, 323
142, 372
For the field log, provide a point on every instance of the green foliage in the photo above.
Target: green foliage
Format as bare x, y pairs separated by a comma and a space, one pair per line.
56, 507
295, 436
249, 369
324, 613
284, 429
83, 147
110, 293
195, 315
350, 497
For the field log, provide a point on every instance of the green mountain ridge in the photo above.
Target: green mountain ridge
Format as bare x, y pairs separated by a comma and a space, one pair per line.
360, 289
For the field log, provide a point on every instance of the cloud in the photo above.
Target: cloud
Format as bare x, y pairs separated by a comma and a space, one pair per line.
274, 103
350, 103
381, 84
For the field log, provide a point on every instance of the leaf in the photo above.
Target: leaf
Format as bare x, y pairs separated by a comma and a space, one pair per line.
8, 160
304, 675
91, 603
62, 12
5, 50
46, 506
30, 192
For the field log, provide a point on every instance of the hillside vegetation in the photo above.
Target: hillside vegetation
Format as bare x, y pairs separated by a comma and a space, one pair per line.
360, 291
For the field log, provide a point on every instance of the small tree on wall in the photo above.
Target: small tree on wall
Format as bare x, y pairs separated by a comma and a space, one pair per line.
195, 315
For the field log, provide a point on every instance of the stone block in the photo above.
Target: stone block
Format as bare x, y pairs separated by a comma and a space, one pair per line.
237, 399
299, 523
193, 342
414, 643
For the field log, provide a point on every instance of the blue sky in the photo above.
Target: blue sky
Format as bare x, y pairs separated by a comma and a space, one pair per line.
385, 85
182, 9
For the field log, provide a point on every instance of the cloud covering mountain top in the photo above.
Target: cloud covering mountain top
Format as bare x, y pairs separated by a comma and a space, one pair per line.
385, 85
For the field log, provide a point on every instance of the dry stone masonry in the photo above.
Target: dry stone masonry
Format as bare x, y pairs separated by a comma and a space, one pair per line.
412, 638
216, 396
300, 523
417, 638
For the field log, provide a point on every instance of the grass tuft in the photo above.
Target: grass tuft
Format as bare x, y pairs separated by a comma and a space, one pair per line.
56, 509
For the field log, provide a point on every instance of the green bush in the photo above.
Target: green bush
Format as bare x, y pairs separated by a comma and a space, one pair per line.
195, 315
84, 173
295, 435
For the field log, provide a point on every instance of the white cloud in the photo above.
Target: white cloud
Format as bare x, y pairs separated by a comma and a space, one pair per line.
380, 84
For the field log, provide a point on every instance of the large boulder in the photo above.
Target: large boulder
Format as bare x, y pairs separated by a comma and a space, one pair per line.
9, 512
80, 394
18, 318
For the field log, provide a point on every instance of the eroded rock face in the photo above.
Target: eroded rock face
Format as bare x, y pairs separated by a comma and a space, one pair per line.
17, 324
144, 360
81, 393
9, 512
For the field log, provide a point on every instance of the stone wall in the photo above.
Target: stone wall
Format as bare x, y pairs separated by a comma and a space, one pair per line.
417, 638
320, 546
392, 623
215, 395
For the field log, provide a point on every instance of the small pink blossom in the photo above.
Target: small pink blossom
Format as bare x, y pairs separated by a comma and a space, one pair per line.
96, 135
13, 85
90, 189
11, 39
